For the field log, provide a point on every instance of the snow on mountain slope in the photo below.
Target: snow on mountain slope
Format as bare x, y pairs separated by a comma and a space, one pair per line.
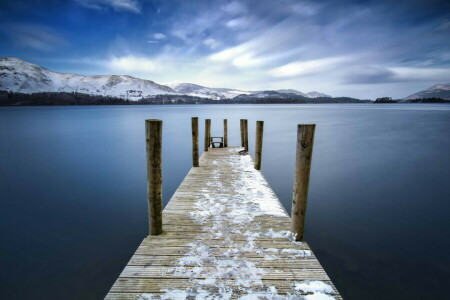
291, 91
17, 75
315, 94
312, 94
206, 92
437, 90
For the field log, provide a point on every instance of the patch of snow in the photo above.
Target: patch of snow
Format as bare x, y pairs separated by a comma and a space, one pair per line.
311, 286
318, 296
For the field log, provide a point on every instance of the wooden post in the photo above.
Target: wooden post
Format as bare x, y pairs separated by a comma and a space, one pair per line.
305, 142
225, 132
207, 133
195, 142
246, 134
242, 132
258, 144
153, 131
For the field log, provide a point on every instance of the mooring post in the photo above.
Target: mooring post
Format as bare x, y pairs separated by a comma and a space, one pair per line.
246, 134
305, 143
153, 131
258, 144
207, 133
195, 141
225, 132
242, 132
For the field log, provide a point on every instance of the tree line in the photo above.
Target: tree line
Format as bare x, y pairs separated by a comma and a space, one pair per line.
63, 98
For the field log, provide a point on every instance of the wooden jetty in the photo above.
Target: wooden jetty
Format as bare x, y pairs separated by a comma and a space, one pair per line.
225, 234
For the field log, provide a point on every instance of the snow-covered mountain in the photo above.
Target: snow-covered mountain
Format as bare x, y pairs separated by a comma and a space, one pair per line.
436, 91
17, 75
291, 91
312, 94
315, 94
191, 89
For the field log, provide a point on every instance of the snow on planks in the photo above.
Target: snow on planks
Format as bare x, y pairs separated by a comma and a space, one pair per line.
225, 236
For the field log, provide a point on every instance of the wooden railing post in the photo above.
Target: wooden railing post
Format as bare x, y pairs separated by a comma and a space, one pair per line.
305, 142
153, 131
195, 142
242, 132
258, 144
225, 132
207, 134
246, 134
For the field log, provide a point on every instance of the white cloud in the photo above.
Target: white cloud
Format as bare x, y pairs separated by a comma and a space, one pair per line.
211, 43
152, 42
309, 67
132, 63
227, 54
133, 6
305, 8
234, 8
237, 23
159, 36
248, 60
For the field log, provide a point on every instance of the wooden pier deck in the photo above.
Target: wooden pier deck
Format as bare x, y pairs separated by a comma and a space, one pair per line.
225, 236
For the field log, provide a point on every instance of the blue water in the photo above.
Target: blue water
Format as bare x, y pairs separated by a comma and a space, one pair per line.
73, 192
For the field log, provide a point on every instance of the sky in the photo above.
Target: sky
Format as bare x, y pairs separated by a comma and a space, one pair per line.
357, 48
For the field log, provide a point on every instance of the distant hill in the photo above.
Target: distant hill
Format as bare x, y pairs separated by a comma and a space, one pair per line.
20, 76
436, 91
195, 90
17, 75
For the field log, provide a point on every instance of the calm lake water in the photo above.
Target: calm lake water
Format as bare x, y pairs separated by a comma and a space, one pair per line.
73, 192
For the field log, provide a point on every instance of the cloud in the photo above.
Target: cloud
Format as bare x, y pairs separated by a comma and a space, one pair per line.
368, 75
237, 23
234, 8
159, 36
309, 67
363, 74
34, 36
211, 43
411, 74
132, 6
240, 57
132, 63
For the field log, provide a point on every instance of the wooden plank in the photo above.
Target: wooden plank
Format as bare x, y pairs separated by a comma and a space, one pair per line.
225, 234
154, 285
192, 272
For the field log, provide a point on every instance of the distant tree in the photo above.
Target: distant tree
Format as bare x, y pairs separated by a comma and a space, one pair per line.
385, 100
